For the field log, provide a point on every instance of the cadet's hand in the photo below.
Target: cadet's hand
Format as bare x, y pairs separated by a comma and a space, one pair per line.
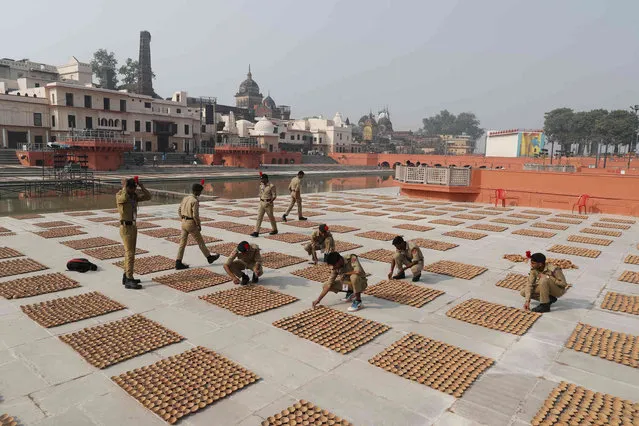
123, 182
315, 303
390, 275
527, 306
236, 281
199, 228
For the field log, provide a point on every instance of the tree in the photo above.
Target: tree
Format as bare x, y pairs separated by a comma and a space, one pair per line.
446, 123
468, 123
619, 128
558, 127
103, 66
129, 74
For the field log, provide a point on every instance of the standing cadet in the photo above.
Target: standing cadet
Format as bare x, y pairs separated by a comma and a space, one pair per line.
347, 275
245, 256
268, 194
408, 256
321, 238
127, 200
546, 283
189, 213
295, 188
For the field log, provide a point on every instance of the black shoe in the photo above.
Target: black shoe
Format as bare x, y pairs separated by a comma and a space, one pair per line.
132, 285
179, 265
273, 232
542, 307
255, 278
325, 257
399, 276
255, 234
553, 299
284, 217
302, 218
132, 279
213, 257
416, 277
245, 279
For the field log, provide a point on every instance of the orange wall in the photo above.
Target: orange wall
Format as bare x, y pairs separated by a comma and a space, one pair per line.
101, 161
611, 193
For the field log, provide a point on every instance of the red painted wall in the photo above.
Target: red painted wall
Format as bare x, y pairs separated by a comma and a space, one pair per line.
100, 161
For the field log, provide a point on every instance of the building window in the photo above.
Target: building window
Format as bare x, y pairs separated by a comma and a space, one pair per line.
314, 139
37, 85
147, 105
88, 102
292, 137
203, 128
103, 122
88, 123
37, 119
320, 140
110, 122
107, 104
340, 136
69, 99
186, 129
53, 98
123, 105
304, 137
124, 125
137, 125
148, 126
53, 121
282, 135
38, 140
298, 136
71, 119
179, 110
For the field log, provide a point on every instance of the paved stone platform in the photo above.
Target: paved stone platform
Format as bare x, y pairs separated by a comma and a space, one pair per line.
45, 382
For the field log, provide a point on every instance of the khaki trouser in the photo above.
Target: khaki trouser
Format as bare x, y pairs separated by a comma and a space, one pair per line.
328, 246
545, 288
129, 235
238, 266
295, 199
354, 283
402, 260
190, 228
265, 207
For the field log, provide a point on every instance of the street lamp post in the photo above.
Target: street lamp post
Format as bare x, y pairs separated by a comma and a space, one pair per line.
635, 109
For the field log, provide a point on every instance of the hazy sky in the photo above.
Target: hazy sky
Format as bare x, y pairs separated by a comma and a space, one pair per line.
508, 61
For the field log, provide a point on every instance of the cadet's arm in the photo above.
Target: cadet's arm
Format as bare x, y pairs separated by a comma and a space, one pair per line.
528, 290
196, 215
122, 197
145, 195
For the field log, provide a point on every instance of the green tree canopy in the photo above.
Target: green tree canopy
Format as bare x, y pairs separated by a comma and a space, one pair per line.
129, 74
446, 123
104, 66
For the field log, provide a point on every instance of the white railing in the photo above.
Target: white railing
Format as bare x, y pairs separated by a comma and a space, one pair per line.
445, 176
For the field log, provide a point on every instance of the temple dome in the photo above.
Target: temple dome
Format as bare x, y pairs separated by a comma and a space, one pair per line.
249, 86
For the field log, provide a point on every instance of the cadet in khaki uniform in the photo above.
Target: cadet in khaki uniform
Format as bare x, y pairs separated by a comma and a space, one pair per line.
546, 283
268, 194
407, 256
347, 275
245, 256
127, 200
189, 213
295, 188
321, 238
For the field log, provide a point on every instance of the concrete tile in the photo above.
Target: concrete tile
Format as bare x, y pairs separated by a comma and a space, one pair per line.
479, 413
530, 356
223, 412
595, 382
71, 417
16, 379
17, 329
118, 408
23, 409
452, 419
181, 321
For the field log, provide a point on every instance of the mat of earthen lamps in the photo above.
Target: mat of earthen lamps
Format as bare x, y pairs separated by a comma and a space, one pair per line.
225, 249
249, 300
509, 221
572, 216
523, 216
605, 232
374, 214
429, 213
162, 232
110, 252
34, 286
248, 229
446, 222
52, 313
434, 244
138, 225
569, 404
610, 225
117, 341
494, 316
484, 212
4, 230
397, 209
289, 237
28, 216
544, 225
411, 227
185, 383
469, 216
487, 227
621, 303
342, 229
88, 243
455, 269
589, 240
403, 292
339, 210
376, 235
7, 234
331, 328
629, 276
80, 214
618, 347
343, 246
192, 279
305, 413
575, 251
19, 266
533, 233
380, 255
61, 232
562, 220
451, 209
438, 365
303, 224
8, 253
191, 241
617, 220
465, 235
100, 219
7, 420
236, 213
320, 272
149, 264
406, 217
513, 282
537, 212
53, 224
632, 259
275, 260
500, 209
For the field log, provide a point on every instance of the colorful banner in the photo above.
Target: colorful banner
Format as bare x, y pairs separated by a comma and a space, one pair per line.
531, 143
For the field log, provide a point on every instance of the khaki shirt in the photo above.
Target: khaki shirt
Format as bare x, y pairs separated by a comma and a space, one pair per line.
412, 252
295, 186
351, 264
128, 204
251, 257
190, 207
318, 238
268, 192
552, 271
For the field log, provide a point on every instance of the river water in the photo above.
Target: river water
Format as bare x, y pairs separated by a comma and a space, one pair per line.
234, 188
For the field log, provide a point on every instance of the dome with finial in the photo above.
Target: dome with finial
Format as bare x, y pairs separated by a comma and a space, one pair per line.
269, 102
248, 86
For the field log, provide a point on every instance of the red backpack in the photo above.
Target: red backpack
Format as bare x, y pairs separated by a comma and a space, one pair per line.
81, 265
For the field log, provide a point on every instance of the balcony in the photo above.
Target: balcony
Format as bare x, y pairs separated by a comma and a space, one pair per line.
443, 176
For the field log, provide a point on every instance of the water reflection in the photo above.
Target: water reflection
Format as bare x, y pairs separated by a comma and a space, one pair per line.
239, 188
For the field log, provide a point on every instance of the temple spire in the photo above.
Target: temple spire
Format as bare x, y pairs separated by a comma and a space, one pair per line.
249, 75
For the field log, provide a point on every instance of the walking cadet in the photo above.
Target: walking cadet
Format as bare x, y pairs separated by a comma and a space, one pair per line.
321, 239
127, 200
295, 188
268, 194
347, 275
546, 283
407, 256
245, 256
189, 214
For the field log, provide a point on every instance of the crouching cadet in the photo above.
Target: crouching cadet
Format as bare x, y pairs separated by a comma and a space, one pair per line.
546, 283
347, 275
245, 256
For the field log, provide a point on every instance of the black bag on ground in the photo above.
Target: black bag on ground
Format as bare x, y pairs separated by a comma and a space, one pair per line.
81, 265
